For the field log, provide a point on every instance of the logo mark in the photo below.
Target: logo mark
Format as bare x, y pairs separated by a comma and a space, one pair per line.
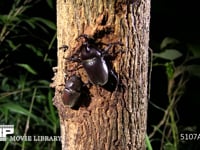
5, 130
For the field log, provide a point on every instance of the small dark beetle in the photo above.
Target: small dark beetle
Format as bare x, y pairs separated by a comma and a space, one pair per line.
72, 91
94, 62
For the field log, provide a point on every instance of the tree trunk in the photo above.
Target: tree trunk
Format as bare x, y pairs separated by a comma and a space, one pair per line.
110, 120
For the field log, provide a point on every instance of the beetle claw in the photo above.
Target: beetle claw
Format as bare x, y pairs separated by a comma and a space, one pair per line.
64, 47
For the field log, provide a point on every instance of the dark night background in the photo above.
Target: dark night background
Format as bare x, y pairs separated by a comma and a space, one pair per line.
169, 18
179, 20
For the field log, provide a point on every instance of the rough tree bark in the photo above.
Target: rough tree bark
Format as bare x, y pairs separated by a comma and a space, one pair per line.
110, 120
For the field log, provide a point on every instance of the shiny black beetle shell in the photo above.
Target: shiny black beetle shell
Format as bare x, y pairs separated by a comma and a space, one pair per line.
72, 91
94, 64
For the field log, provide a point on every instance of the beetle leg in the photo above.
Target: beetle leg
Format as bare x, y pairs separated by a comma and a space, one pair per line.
113, 82
74, 59
63, 47
77, 67
88, 85
110, 45
116, 78
107, 48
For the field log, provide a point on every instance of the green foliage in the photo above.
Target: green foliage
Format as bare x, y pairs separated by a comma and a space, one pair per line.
179, 68
28, 68
169, 54
148, 143
27, 43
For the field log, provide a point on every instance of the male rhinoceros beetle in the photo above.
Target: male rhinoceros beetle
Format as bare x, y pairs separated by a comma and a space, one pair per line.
93, 60
72, 91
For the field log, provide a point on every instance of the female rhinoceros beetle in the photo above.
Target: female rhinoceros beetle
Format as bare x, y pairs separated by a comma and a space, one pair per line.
72, 91
94, 61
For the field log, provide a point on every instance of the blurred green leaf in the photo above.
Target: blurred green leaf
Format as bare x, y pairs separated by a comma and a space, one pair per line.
28, 68
193, 70
17, 109
12, 45
148, 143
168, 54
50, 3
169, 70
35, 49
168, 41
46, 22
30, 23
195, 49
3, 18
169, 146
43, 82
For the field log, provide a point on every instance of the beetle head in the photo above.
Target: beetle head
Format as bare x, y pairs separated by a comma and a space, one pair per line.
89, 52
74, 83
